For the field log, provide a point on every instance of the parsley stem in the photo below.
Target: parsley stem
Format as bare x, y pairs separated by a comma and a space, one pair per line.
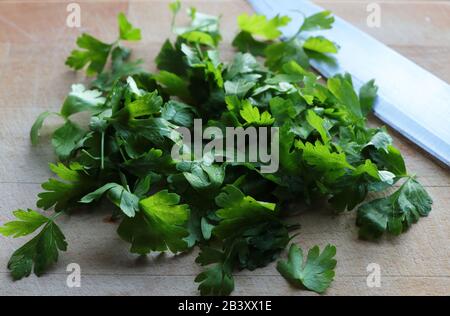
199, 50
102, 150
172, 23
88, 154
120, 149
124, 181
55, 216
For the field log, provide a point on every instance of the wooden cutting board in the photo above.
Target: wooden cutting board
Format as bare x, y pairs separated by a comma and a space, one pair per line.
34, 42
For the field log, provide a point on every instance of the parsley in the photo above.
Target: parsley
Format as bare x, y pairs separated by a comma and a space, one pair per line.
95, 53
315, 274
260, 26
158, 226
40, 252
217, 280
394, 213
121, 155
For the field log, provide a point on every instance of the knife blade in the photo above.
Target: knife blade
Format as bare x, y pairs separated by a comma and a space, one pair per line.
410, 99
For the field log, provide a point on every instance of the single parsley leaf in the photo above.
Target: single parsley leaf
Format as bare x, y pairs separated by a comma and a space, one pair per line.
320, 44
80, 99
126, 30
41, 251
64, 195
251, 115
320, 156
319, 21
28, 222
66, 139
238, 87
394, 213
381, 140
318, 124
217, 280
261, 26
158, 225
120, 196
94, 54
342, 89
316, 274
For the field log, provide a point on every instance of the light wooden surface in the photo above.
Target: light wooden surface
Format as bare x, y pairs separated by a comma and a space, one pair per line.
34, 42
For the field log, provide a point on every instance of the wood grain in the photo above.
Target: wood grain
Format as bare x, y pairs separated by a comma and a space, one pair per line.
33, 46
99, 284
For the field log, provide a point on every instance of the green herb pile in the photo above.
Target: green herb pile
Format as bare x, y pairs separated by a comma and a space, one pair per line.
233, 212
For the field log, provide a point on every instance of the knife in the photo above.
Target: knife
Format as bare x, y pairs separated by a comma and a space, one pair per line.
410, 99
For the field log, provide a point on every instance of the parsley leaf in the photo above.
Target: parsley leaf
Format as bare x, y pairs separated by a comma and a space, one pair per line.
260, 25
318, 123
119, 195
319, 21
64, 195
28, 222
94, 55
320, 44
41, 251
80, 99
320, 156
158, 225
126, 30
316, 274
238, 211
395, 213
342, 89
251, 115
66, 139
215, 281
